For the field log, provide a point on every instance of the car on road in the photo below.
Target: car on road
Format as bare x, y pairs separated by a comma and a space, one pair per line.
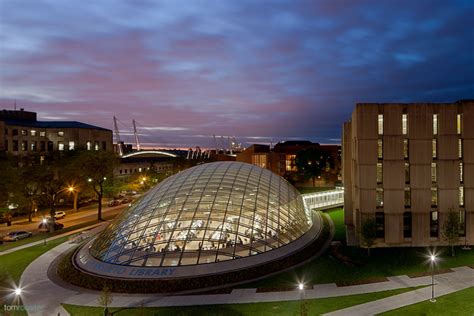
45, 226
17, 235
59, 214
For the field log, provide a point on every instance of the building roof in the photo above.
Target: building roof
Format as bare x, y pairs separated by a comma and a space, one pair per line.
53, 124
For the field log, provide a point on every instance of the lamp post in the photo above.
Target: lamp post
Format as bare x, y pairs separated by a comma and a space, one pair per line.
70, 189
302, 307
432, 264
44, 221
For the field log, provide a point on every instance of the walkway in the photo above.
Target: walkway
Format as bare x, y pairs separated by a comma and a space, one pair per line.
324, 200
41, 291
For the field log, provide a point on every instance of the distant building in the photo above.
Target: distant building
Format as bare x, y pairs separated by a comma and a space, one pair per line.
21, 134
406, 166
282, 159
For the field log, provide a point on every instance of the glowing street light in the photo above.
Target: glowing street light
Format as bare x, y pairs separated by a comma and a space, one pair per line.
301, 286
44, 221
18, 291
432, 265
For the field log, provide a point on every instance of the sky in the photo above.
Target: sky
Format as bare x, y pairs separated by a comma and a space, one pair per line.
262, 71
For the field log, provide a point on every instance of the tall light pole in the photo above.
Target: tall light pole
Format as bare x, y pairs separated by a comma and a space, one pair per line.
301, 289
432, 264
44, 221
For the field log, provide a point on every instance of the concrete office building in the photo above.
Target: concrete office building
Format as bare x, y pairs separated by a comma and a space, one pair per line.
407, 165
21, 134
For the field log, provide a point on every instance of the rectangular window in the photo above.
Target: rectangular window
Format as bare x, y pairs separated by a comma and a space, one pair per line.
88, 145
379, 197
96, 146
42, 146
71, 145
15, 145
33, 145
434, 148
379, 148
380, 124
6, 131
60, 133
50, 146
434, 197
407, 197
407, 224
434, 224
33, 132
404, 124
379, 173
14, 132
24, 132
405, 148
461, 172
462, 223
24, 145
260, 160
407, 172
461, 196
6, 144
434, 172
60, 146
104, 145
459, 124
380, 225
290, 164
42, 134
435, 124
460, 148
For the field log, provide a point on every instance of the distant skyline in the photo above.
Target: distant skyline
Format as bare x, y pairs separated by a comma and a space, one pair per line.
261, 71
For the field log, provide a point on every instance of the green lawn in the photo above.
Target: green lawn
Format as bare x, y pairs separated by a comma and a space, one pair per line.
313, 307
337, 217
458, 303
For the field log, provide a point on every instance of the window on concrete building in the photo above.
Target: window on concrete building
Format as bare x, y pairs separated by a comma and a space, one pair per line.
96, 146
405, 148
42, 134
88, 145
260, 160
6, 131
459, 124
42, 145
462, 223
461, 196
434, 224
379, 197
14, 132
434, 197
6, 144
434, 148
434, 172
404, 124
33, 132
50, 146
14, 145
435, 124
60, 146
60, 133
24, 132
407, 172
290, 163
407, 224
380, 225
461, 172
33, 146
379, 148
407, 197
379, 173
460, 148
24, 145
104, 145
380, 124
71, 145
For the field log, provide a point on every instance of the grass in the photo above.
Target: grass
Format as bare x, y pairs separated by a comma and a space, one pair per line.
315, 189
313, 307
458, 303
337, 217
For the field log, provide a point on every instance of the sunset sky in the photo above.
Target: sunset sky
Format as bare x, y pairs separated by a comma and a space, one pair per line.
258, 70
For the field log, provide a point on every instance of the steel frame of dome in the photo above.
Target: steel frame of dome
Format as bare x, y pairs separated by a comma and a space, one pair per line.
211, 214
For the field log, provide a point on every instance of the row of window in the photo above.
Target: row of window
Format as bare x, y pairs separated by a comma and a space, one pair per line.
140, 169
408, 226
407, 197
48, 145
435, 120
25, 132
434, 172
434, 148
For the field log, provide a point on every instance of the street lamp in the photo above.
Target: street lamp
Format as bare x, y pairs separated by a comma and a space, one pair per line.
432, 264
18, 291
45, 227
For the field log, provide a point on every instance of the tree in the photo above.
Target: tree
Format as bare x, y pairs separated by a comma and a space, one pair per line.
105, 299
451, 229
96, 167
368, 233
311, 162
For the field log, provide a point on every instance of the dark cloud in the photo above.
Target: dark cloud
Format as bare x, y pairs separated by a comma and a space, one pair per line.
260, 70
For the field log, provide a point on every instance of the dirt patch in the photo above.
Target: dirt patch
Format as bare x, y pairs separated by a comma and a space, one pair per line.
360, 282
427, 273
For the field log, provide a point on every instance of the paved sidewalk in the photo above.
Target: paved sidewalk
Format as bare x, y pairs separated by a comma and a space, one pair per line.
39, 242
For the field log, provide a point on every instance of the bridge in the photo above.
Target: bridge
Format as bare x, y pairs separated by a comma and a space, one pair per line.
324, 200
147, 153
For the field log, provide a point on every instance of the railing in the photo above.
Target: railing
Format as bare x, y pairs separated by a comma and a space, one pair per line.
324, 200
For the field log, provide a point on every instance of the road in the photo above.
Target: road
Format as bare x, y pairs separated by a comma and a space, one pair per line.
72, 218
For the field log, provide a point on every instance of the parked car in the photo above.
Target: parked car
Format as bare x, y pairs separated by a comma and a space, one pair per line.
59, 214
45, 226
114, 202
17, 235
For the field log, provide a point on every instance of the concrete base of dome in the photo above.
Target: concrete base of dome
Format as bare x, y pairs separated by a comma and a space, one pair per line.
84, 271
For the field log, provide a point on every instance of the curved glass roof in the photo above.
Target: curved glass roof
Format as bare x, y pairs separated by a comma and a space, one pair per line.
209, 213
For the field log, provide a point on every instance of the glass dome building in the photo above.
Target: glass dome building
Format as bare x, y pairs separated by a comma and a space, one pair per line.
211, 218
